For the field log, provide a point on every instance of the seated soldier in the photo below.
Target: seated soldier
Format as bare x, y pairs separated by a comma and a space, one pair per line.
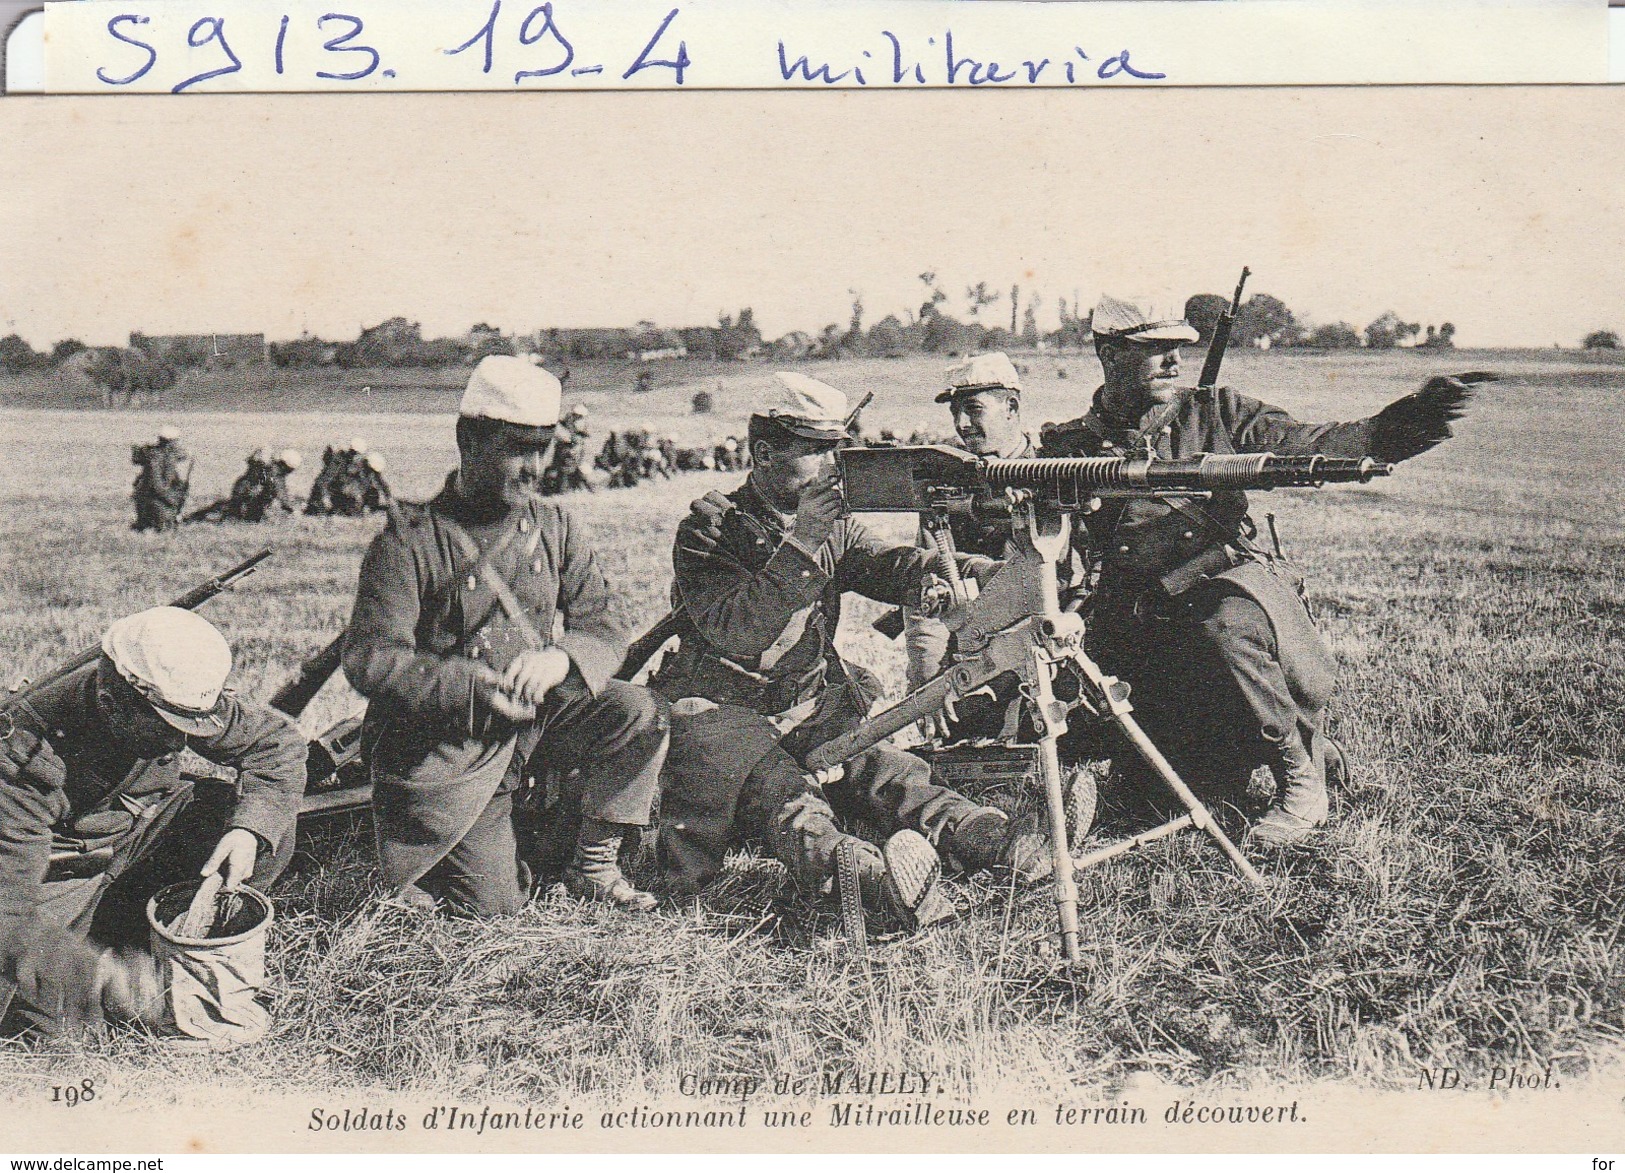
756, 684
93, 758
453, 644
1205, 623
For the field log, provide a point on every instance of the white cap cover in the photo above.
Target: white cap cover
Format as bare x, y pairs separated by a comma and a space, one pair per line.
1139, 320
512, 390
357, 444
291, 458
169, 432
175, 659
808, 407
981, 372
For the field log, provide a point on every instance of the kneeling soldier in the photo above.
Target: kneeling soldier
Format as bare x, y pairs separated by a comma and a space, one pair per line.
452, 642
757, 683
92, 760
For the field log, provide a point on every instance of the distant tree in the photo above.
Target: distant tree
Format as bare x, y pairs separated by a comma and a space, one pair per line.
1447, 335
17, 356
702, 403
66, 349
887, 337
1029, 320
1439, 337
123, 374
1389, 330
978, 297
1601, 340
1015, 303
1263, 316
928, 308
853, 338
303, 351
1203, 311
946, 335
1334, 336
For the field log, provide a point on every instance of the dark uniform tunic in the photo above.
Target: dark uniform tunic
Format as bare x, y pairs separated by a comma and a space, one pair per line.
1209, 629
160, 488
756, 684
444, 765
136, 824
263, 485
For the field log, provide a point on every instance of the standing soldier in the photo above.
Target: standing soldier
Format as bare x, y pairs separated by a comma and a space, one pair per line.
1207, 626
160, 487
984, 397
93, 757
757, 684
452, 642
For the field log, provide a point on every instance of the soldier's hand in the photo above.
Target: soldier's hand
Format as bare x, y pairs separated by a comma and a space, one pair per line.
936, 596
31, 760
532, 675
818, 508
702, 529
978, 567
234, 857
490, 691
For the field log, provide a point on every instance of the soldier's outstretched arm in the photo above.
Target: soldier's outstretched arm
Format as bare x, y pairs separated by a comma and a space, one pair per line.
1405, 428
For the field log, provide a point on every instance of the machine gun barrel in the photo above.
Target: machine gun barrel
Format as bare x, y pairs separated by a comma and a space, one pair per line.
1074, 478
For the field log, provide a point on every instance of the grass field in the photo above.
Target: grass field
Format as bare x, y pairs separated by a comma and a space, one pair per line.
1463, 907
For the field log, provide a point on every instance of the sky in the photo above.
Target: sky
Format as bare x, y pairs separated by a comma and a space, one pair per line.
1497, 209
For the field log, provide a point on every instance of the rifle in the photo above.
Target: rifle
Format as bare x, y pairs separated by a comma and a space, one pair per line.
1221, 338
1016, 624
190, 601
295, 696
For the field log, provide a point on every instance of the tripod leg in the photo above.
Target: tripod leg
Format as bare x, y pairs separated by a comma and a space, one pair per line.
1050, 716
1112, 703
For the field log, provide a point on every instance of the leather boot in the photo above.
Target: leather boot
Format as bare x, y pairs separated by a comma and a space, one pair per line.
988, 838
595, 872
898, 883
1300, 795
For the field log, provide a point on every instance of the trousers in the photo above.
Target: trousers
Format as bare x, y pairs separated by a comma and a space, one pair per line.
446, 810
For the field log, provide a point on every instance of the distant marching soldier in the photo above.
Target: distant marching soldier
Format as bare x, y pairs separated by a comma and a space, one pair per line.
161, 486
1205, 623
757, 683
93, 759
452, 642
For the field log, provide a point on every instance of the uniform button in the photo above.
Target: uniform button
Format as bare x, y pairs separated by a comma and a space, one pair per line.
1122, 549
761, 541
1167, 429
474, 654
473, 582
1187, 535
806, 574
524, 525
536, 566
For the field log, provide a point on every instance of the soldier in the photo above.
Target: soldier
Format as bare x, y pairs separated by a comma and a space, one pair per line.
92, 759
984, 397
567, 472
264, 483
1208, 627
361, 489
757, 683
452, 642
726, 455
160, 487
336, 464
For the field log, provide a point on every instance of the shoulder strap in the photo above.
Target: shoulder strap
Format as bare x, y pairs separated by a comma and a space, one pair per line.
483, 566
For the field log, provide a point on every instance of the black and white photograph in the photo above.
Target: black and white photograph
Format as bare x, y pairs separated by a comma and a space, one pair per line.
781, 622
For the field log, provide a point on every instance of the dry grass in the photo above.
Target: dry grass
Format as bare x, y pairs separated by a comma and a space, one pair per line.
1464, 906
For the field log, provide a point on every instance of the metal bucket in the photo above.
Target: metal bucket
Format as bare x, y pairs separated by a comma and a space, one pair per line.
211, 982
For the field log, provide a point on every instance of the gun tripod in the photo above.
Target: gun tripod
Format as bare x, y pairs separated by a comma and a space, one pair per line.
1016, 624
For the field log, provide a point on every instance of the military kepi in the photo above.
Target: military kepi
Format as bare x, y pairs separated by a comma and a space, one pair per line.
1138, 321
982, 372
514, 391
177, 661
808, 408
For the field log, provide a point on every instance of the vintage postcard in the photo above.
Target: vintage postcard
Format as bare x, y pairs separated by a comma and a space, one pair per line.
813, 621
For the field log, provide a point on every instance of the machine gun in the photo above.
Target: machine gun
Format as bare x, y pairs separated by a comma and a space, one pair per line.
1016, 623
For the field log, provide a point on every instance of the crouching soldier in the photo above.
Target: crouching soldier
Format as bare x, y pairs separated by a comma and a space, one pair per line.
89, 763
756, 684
452, 642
